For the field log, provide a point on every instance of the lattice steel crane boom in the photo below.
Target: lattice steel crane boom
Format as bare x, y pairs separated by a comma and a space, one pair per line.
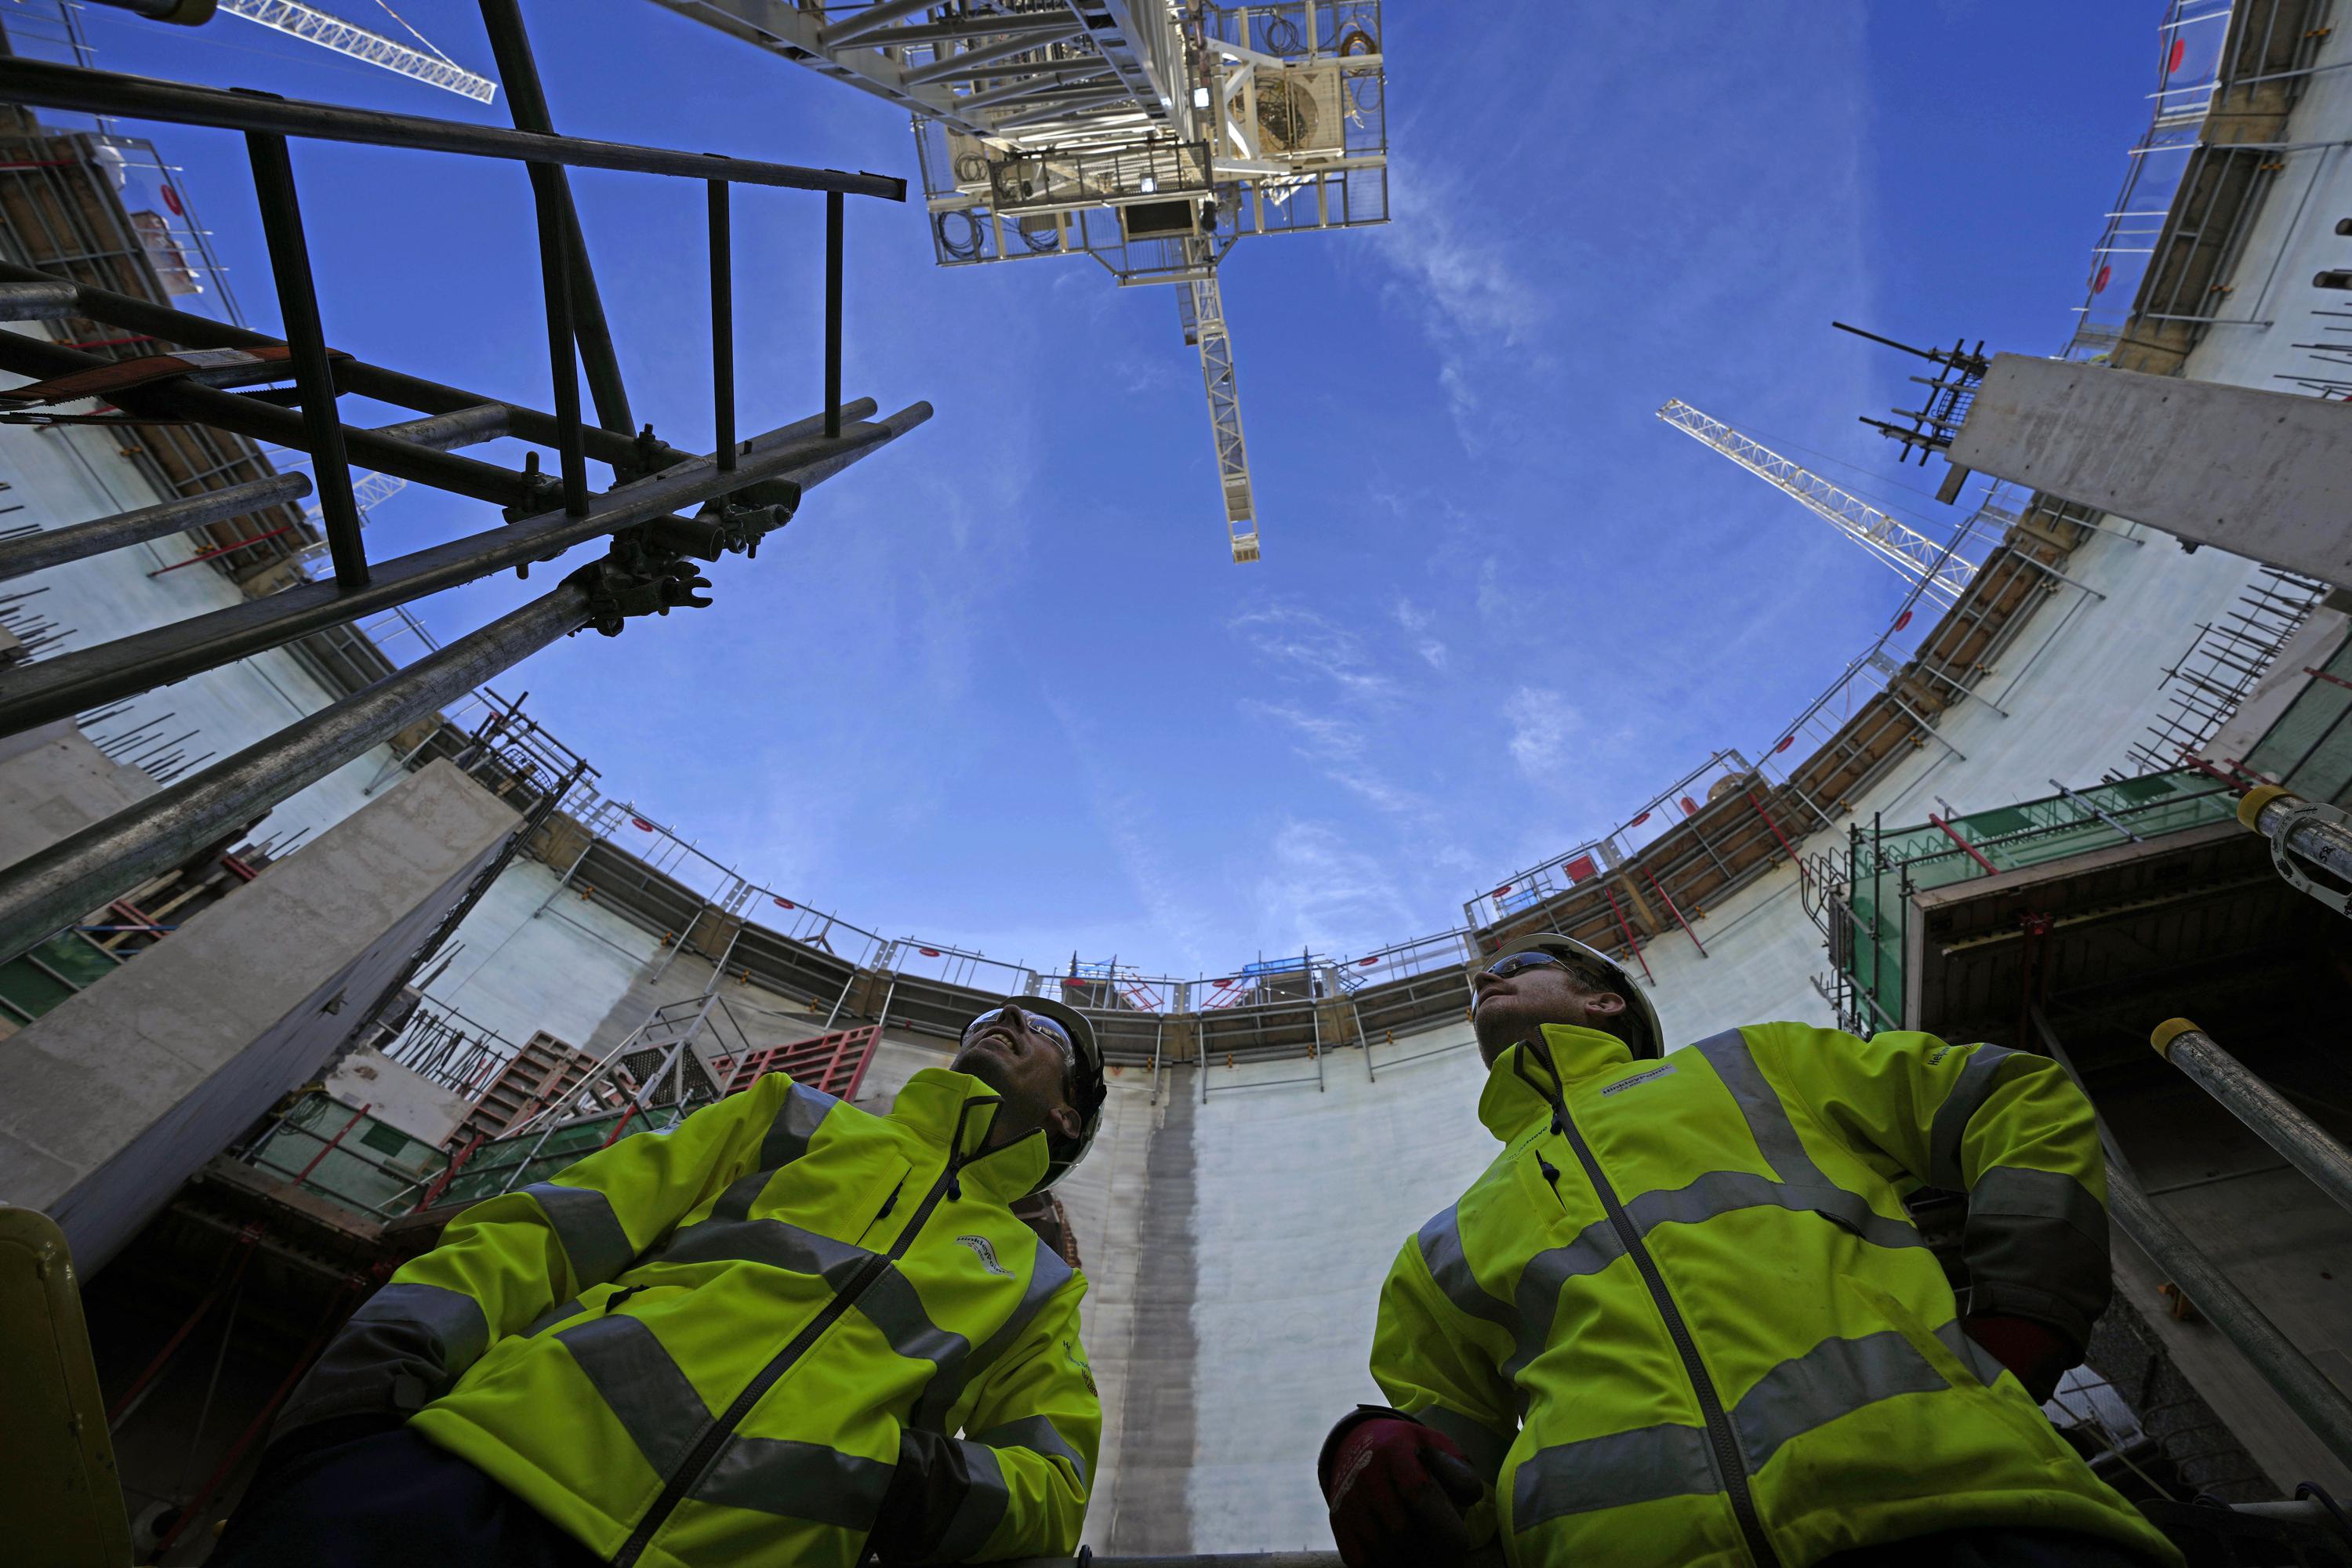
1919, 558
1201, 307
313, 25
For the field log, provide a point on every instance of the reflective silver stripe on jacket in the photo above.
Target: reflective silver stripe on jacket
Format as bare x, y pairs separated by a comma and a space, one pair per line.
652, 1398
1047, 1276
1804, 1186
889, 1302
583, 1220
2036, 1244
797, 1481
1442, 1253
1039, 1436
773, 1242
787, 1139
1968, 1096
1536, 1303
405, 1347
1638, 1466
642, 1385
1835, 1378
983, 1508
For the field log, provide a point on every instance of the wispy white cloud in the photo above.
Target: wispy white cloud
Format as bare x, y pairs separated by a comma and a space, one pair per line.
1325, 735
1416, 622
1304, 643
1455, 273
1543, 723
1320, 890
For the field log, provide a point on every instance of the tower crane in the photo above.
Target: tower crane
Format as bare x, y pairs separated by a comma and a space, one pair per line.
1151, 135
312, 26
1940, 568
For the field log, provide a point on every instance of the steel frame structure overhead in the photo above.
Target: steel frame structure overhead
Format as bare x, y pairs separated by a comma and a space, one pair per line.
1148, 134
1919, 558
739, 492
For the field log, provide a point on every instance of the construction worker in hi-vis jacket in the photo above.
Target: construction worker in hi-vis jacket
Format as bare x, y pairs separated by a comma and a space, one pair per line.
786, 1330
1683, 1318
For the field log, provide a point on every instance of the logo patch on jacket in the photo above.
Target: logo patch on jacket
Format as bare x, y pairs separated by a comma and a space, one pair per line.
984, 1249
1639, 1077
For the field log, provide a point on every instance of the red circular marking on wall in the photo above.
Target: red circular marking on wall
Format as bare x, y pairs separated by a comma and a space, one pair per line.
2099, 284
171, 200
2179, 50
1902, 620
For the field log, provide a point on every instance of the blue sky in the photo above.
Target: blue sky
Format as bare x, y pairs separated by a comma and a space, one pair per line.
1001, 686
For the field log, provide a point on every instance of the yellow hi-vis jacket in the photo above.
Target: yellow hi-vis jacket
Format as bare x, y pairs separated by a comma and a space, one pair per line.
1683, 1318
712, 1345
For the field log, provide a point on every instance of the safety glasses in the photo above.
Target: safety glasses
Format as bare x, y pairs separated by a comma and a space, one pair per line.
1504, 968
1037, 1021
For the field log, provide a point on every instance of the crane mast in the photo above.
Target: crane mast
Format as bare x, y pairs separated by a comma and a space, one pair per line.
1940, 568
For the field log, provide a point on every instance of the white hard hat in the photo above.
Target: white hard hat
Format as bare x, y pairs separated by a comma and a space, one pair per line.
1652, 1040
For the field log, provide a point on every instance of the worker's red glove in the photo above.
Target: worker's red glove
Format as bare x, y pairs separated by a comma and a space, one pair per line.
1398, 1491
2038, 1354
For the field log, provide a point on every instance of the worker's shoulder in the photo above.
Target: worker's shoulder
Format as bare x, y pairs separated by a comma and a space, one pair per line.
1779, 1034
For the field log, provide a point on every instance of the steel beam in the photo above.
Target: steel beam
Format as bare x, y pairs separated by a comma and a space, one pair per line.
80, 873
460, 427
35, 551
264, 421
39, 84
526, 102
35, 301
980, 25
873, 19
188, 331
967, 62
787, 30
54, 688
314, 373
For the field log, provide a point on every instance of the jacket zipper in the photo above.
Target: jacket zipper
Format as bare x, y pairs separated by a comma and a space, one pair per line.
706, 1447
1727, 1461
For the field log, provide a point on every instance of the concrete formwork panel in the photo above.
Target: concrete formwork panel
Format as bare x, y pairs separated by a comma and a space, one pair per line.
124, 1091
53, 783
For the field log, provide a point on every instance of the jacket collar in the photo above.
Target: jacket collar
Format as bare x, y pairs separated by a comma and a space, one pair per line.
953, 1112
1527, 1078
